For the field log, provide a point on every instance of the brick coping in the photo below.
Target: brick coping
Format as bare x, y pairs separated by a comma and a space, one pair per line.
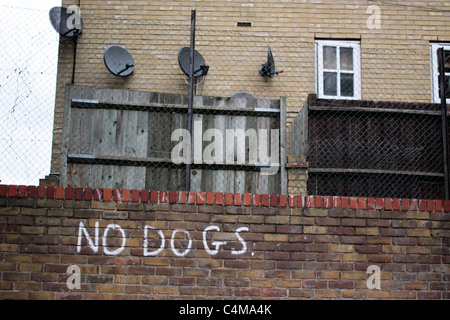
223, 199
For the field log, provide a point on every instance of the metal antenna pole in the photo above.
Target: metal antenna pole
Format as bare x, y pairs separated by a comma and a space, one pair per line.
441, 59
190, 100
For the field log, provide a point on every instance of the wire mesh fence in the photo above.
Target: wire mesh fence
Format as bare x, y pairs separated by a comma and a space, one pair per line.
343, 118
27, 94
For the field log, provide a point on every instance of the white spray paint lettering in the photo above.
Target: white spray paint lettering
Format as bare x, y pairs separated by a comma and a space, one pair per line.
179, 252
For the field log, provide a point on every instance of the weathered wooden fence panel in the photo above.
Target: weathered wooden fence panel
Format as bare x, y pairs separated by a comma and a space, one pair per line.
123, 139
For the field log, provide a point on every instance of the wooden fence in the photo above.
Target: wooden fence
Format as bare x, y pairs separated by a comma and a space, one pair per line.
370, 148
115, 138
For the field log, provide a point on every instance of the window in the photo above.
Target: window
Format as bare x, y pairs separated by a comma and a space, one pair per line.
338, 69
435, 73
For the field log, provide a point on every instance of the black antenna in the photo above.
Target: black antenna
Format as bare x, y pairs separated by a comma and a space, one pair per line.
268, 68
243, 95
69, 25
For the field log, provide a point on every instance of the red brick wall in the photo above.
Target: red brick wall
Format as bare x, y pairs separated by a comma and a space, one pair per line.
269, 246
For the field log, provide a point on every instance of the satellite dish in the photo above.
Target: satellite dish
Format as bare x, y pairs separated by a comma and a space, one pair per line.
268, 68
66, 22
243, 95
200, 67
118, 61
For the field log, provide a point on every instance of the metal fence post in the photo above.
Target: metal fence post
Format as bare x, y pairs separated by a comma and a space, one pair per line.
444, 121
190, 98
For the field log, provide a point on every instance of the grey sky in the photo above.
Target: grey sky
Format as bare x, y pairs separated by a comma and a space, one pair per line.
28, 53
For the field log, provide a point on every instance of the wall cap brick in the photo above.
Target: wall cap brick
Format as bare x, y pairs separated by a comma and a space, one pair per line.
227, 199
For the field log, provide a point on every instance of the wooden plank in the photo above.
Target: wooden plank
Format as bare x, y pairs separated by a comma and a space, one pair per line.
251, 177
240, 124
374, 171
264, 147
178, 178
196, 174
374, 110
73, 136
84, 136
220, 175
170, 107
208, 176
229, 154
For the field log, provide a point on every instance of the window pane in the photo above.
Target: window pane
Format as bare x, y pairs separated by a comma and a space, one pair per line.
346, 55
329, 57
330, 83
447, 61
447, 87
347, 84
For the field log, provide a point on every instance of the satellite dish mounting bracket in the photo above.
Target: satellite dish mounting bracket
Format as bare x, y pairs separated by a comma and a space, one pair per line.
268, 68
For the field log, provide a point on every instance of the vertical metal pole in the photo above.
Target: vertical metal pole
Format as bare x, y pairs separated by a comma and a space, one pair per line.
441, 59
190, 100
75, 43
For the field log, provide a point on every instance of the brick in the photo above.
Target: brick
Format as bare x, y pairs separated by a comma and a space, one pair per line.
283, 200
273, 200
135, 196
418, 233
41, 192
422, 205
447, 205
328, 221
341, 231
353, 203
78, 193
353, 222
314, 230
12, 191
228, 199
292, 201
256, 200
200, 197
276, 237
345, 203
336, 202
247, 199
154, 196
191, 197
353, 239
313, 212
301, 201
107, 194
31, 191
310, 202
3, 190
210, 198
417, 215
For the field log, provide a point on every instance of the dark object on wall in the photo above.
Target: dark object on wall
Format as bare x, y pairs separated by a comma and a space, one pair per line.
118, 61
66, 22
268, 68
243, 95
363, 148
200, 67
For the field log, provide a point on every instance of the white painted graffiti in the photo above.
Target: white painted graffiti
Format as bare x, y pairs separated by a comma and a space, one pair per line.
93, 244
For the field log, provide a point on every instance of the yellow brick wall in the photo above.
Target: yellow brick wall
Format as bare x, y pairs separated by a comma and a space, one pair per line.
395, 58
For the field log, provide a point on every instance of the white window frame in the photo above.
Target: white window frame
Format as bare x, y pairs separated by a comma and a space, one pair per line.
356, 46
435, 71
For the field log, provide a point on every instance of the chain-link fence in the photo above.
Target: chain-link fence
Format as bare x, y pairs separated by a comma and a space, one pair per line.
344, 118
28, 58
